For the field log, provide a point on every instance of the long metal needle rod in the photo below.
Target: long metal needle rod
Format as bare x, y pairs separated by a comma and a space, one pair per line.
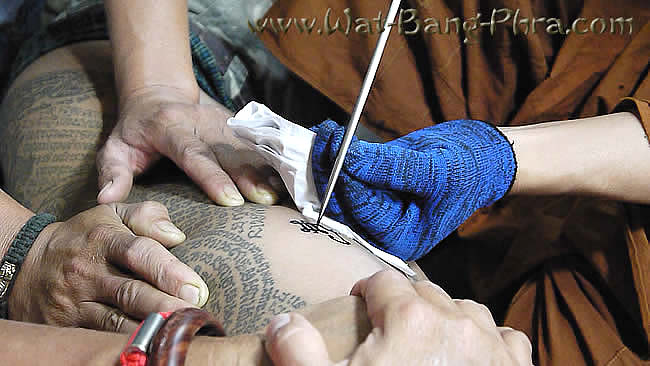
361, 102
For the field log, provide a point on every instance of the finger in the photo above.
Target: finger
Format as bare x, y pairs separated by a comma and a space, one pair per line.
292, 341
434, 294
156, 265
381, 290
479, 313
150, 219
253, 185
115, 175
102, 317
519, 344
200, 163
136, 298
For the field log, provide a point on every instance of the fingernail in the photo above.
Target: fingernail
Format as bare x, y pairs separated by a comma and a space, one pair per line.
233, 196
169, 228
190, 293
277, 323
104, 189
265, 194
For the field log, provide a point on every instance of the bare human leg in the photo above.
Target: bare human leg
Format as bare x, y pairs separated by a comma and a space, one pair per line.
258, 261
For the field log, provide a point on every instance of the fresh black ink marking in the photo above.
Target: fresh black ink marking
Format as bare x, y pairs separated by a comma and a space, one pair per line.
308, 227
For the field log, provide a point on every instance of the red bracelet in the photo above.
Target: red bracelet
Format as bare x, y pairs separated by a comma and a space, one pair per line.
135, 351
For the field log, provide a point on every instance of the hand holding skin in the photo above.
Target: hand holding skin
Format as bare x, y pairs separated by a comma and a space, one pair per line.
165, 121
413, 324
160, 114
78, 272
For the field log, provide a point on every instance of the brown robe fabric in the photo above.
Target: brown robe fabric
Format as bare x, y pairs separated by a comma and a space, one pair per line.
573, 273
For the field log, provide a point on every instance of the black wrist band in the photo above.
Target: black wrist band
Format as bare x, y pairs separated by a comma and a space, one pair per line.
16, 254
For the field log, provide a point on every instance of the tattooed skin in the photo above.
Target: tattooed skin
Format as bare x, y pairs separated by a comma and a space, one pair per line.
224, 246
52, 126
255, 263
309, 227
50, 129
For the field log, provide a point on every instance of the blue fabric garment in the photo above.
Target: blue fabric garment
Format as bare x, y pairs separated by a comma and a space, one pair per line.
406, 195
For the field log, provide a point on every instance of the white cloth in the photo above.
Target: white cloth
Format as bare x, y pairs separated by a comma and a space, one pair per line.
287, 147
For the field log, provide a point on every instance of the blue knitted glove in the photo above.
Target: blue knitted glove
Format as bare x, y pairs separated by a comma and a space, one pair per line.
406, 195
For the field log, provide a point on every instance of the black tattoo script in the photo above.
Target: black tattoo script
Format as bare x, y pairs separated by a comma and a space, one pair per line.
308, 227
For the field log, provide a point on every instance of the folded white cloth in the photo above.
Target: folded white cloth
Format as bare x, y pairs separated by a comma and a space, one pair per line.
287, 147
283, 145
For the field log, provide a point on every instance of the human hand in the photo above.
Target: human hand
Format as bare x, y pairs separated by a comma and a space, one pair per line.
409, 194
413, 324
106, 261
164, 121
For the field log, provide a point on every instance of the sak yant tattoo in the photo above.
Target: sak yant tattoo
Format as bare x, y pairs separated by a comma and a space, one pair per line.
308, 227
52, 126
224, 246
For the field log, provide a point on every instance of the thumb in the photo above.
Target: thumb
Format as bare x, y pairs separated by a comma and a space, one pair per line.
292, 341
115, 176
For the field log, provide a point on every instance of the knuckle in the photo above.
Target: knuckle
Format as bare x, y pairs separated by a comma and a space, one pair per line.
414, 310
435, 287
473, 306
380, 277
191, 150
111, 320
127, 294
520, 340
482, 309
100, 233
76, 268
147, 209
137, 250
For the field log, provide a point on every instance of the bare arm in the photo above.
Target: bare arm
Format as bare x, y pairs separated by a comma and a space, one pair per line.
13, 218
342, 322
157, 98
606, 156
150, 46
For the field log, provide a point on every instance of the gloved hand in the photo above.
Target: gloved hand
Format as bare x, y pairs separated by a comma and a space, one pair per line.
406, 195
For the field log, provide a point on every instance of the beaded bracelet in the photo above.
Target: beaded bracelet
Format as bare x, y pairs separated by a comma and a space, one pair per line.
16, 254
171, 343
164, 338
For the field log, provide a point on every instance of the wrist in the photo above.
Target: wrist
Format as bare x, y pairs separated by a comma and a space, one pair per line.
20, 299
541, 169
161, 92
11, 225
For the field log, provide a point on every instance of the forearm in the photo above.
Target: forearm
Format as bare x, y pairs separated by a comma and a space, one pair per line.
32, 344
150, 45
342, 322
13, 218
84, 347
606, 156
